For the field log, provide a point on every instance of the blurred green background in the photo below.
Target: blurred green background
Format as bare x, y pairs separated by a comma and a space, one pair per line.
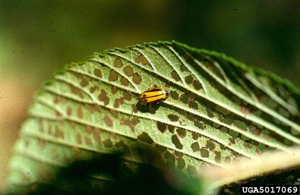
38, 37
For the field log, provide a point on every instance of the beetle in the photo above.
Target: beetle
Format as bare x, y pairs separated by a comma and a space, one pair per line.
154, 94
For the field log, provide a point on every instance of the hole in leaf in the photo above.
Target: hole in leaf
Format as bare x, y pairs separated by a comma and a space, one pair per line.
107, 143
188, 79
108, 121
113, 76
128, 71
144, 137
173, 117
124, 81
161, 127
98, 73
114, 89
181, 132
175, 75
174, 95
118, 63
181, 164
204, 152
137, 79
195, 146
197, 85
141, 59
176, 142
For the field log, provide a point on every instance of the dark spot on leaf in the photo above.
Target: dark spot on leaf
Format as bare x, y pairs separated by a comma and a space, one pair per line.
181, 132
80, 112
240, 124
88, 140
127, 96
108, 121
195, 146
160, 149
88, 129
162, 127
113, 76
216, 125
191, 170
57, 114
84, 82
175, 75
114, 89
98, 73
176, 142
180, 164
144, 137
97, 108
188, 79
137, 79
130, 123
193, 105
79, 139
125, 148
178, 154
269, 102
226, 121
184, 98
174, 95
173, 117
197, 85
124, 81
128, 71
113, 135
244, 138
141, 59
171, 128
218, 157
72, 124
199, 125
114, 113
232, 141
204, 152
134, 121
222, 110
107, 143
59, 133
103, 97
118, 102
69, 111
195, 135
262, 147
210, 145
209, 112
97, 135
233, 133
93, 89
76, 91
169, 156
91, 108
183, 68
118, 63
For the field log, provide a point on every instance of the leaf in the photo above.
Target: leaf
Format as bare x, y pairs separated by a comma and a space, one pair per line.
218, 111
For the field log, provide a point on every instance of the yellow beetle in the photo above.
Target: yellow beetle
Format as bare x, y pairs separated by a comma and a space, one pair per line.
154, 94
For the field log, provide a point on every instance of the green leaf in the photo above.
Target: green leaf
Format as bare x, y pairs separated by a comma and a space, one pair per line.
218, 111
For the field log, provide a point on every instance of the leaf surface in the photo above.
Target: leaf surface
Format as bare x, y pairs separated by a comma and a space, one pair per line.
218, 111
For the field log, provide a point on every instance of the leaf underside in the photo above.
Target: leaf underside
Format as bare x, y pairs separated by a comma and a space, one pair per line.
218, 110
